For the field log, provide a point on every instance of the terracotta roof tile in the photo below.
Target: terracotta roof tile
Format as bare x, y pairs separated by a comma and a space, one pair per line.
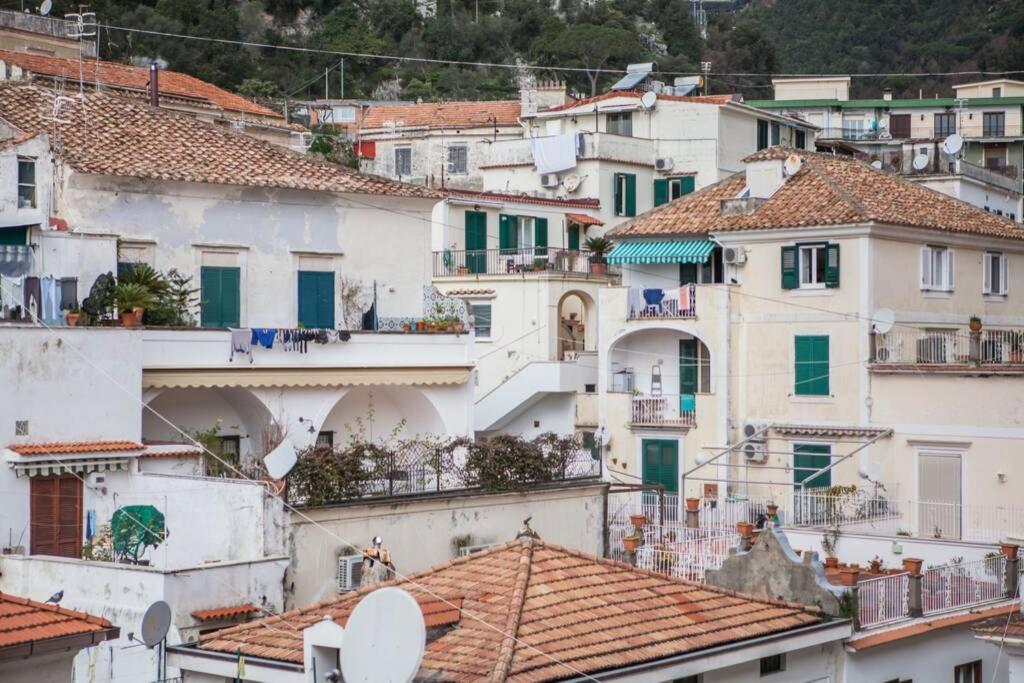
27, 621
135, 78
636, 94
591, 613
225, 612
828, 190
73, 447
444, 115
171, 450
469, 292
521, 198
930, 624
1012, 625
112, 135
584, 219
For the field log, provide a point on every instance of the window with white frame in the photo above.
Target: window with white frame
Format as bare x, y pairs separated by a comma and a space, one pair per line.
525, 227
812, 265
458, 159
481, 313
936, 268
994, 278
26, 183
403, 161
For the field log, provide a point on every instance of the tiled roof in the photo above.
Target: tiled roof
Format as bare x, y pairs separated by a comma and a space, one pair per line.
17, 140
828, 430
1012, 625
444, 115
24, 621
171, 450
135, 78
930, 624
636, 94
584, 219
225, 612
828, 190
469, 292
74, 447
523, 198
112, 135
593, 614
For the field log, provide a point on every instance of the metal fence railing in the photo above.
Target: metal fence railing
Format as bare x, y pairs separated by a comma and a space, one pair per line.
863, 509
883, 600
652, 302
963, 584
684, 553
949, 347
515, 261
663, 411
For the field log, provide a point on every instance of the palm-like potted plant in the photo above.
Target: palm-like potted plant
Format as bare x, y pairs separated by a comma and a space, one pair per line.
72, 316
132, 299
599, 248
974, 323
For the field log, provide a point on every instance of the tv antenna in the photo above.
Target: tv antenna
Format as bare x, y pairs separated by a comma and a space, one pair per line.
156, 622
385, 638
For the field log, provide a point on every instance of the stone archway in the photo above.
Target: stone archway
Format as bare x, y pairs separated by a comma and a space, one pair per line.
378, 412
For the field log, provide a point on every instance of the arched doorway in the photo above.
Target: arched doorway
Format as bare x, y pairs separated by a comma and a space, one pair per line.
378, 413
577, 325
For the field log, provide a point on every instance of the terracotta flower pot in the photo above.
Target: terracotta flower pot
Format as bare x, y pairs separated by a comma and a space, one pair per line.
72, 319
912, 565
406, 328
1010, 550
693, 504
598, 268
459, 328
831, 562
631, 543
638, 521
975, 325
849, 576
744, 529
421, 326
876, 567
129, 319
773, 510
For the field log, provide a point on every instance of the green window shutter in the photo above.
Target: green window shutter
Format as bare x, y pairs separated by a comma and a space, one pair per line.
687, 184
660, 191
508, 236
574, 237
811, 371
762, 134
832, 265
617, 180
13, 236
789, 271
316, 299
221, 296
687, 367
688, 273
540, 236
815, 456
630, 194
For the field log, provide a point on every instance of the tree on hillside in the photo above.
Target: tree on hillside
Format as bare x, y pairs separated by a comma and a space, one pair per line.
595, 48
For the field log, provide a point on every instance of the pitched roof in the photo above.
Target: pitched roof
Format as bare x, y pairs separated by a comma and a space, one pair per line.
24, 622
591, 613
828, 190
523, 198
74, 447
112, 135
1008, 626
636, 94
135, 78
225, 612
584, 219
444, 115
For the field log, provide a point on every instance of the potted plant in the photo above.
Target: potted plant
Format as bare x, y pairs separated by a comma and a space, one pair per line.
462, 270
692, 504
876, 565
132, 299
744, 529
912, 565
459, 327
831, 562
598, 248
72, 316
1010, 550
406, 327
974, 323
631, 542
849, 575
638, 521
421, 325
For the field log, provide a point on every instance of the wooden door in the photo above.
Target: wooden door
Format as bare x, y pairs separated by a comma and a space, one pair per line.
55, 516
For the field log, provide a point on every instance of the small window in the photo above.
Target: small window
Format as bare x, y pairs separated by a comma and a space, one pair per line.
695, 678
812, 266
967, 673
945, 124
993, 124
997, 92
481, 320
677, 187
525, 232
325, 439
994, 278
458, 159
936, 269
26, 183
773, 664
762, 134
799, 139
811, 365
403, 161
229, 448
776, 133
620, 124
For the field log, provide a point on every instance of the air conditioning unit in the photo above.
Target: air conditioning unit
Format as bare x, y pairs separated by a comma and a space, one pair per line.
755, 453
734, 255
664, 164
752, 428
549, 180
350, 569
470, 549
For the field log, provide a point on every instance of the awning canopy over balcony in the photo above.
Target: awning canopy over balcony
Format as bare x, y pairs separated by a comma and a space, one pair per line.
663, 251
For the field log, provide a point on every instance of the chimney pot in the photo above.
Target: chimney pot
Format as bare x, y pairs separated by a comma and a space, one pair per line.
154, 85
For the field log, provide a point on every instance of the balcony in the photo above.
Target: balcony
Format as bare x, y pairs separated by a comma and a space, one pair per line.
523, 261
594, 146
663, 411
948, 349
660, 304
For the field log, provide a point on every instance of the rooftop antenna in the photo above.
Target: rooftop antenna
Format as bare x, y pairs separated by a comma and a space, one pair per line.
156, 622
385, 638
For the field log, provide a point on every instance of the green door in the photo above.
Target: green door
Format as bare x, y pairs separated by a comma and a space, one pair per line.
316, 299
661, 463
476, 241
687, 374
221, 296
817, 456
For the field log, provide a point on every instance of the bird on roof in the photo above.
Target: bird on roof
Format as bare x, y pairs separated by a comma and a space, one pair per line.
526, 531
56, 597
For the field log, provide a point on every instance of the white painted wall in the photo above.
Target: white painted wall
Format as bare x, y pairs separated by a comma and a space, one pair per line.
51, 668
10, 213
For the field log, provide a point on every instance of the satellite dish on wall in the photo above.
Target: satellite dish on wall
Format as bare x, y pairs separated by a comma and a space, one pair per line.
920, 162
45, 8
572, 182
384, 639
953, 144
648, 100
281, 460
793, 164
703, 457
883, 320
876, 164
155, 623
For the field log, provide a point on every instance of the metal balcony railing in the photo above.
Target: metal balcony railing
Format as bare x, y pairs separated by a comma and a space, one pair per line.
949, 347
663, 411
678, 302
458, 263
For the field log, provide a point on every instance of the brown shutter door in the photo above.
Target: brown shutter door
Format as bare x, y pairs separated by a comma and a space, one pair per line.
69, 540
43, 516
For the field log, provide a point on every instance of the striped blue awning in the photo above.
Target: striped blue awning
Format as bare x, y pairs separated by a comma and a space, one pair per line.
671, 251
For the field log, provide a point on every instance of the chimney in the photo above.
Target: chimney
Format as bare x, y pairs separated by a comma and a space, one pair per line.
551, 93
154, 85
765, 177
887, 94
527, 93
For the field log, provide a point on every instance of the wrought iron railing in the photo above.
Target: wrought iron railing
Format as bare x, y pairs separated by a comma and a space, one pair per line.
678, 302
518, 261
663, 411
949, 347
958, 585
883, 600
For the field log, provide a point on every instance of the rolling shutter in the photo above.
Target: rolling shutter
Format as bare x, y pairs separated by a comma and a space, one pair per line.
789, 274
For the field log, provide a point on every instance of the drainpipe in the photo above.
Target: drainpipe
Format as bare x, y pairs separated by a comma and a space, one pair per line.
154, 85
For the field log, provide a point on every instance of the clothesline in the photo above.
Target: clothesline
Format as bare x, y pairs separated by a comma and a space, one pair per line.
46, 297
297, 339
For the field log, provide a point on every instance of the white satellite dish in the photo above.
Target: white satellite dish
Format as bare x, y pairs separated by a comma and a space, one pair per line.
876, 164
793, 164
45, 8
155, 623
281, 460
920, 162
703, 457
384, 638
571, 183
883, 320
953, 144
648, 100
